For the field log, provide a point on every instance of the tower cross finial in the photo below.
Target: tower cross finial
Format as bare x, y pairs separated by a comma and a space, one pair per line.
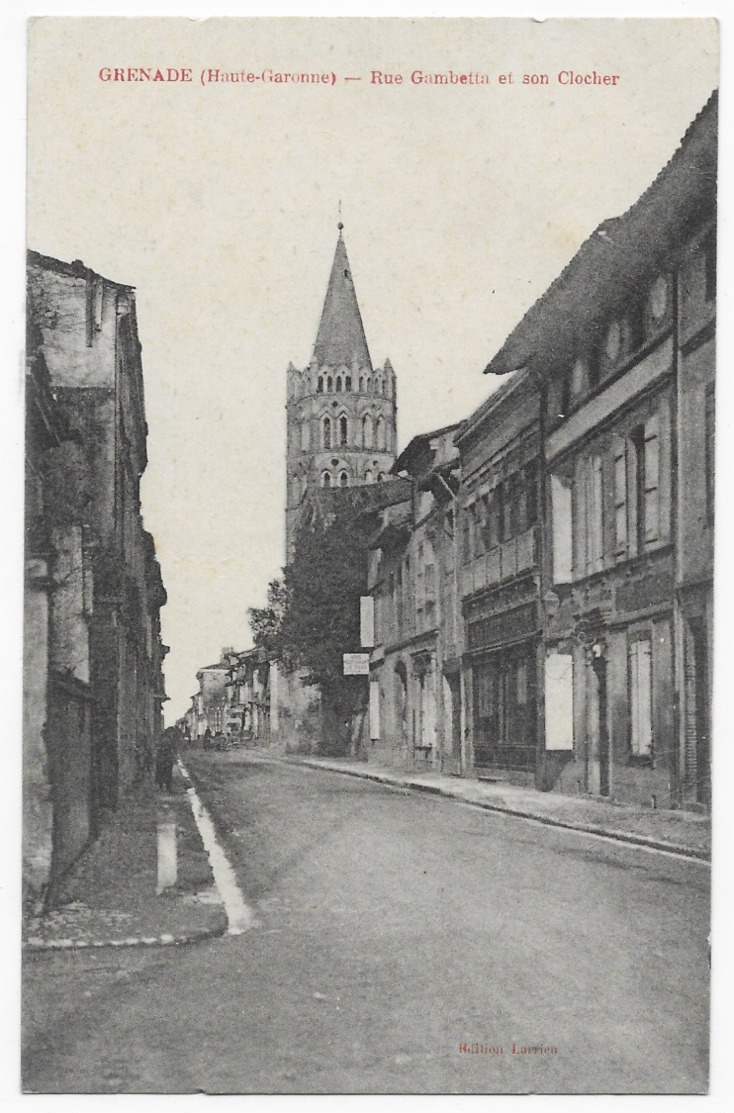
340, 225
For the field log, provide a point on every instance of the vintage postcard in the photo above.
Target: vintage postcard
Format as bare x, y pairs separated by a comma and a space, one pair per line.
369, 532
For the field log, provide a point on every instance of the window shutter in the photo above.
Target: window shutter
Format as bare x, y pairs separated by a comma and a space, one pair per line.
374, 710
620, 497
641, 697
559, 701
562, 530
366, 621
652, 481
596, 513
579, 520
664, 442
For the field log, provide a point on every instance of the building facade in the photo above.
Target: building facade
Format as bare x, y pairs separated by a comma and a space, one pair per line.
415, 677
96, 583
210, 704
59, 813
500, 447
621, 349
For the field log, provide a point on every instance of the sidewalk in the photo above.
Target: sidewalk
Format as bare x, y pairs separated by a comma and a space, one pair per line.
109, 897
679, 832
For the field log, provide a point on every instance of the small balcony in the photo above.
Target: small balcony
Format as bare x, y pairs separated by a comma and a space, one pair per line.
501, 563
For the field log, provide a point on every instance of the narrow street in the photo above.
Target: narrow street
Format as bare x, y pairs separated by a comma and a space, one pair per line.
391, 928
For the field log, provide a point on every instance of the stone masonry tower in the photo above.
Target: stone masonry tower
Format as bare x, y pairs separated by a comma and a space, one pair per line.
341, 411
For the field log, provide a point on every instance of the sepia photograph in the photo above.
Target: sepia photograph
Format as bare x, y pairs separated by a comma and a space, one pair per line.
369, 513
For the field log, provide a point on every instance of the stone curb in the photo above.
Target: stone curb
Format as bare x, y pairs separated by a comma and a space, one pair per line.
162, 940
584, 828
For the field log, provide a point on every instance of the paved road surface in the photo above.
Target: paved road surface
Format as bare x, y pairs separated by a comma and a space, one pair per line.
391, 929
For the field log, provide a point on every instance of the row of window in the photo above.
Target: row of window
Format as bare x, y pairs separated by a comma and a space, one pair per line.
507, 510
338, 384
336, 431
616, 505
408, 604
644, 318
342, 479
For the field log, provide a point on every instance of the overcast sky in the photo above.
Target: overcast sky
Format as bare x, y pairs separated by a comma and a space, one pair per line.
219, 203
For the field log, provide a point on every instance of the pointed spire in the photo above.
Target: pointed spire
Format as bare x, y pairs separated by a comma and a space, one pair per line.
340, 339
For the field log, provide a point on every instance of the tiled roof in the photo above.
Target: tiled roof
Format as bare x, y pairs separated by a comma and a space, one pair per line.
622, 253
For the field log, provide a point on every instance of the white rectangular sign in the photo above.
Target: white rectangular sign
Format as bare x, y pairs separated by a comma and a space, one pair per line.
356, 664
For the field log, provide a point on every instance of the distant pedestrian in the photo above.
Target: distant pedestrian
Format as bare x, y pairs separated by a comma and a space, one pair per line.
207, 744
164, 760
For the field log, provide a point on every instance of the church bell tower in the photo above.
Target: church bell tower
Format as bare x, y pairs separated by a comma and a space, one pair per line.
341, 411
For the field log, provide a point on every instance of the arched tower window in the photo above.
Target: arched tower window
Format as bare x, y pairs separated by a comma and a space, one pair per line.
305, 436
380, 476
369, 477
380, 432
367, 431
343, 479
348, 382
361, 384
329, 385
368, 385
326, 432
326, 479
343, 430
320, 385
339, 384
